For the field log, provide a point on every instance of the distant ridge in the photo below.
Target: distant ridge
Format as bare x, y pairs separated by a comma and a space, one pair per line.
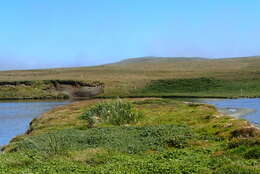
154, 59
151, 59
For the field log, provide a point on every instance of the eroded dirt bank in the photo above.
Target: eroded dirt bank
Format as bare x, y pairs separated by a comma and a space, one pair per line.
49, 89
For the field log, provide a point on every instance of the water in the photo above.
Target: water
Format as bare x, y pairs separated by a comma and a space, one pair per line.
16, 116
250, 107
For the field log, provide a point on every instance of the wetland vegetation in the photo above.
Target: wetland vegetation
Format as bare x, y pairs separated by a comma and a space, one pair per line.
170, 137
137, 135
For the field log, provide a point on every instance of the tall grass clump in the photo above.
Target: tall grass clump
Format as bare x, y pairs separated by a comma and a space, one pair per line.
46, 145
115, 112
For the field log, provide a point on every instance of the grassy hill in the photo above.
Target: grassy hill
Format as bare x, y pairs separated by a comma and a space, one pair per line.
134, 76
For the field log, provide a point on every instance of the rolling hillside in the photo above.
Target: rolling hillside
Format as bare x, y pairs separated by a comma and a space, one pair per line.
123, 77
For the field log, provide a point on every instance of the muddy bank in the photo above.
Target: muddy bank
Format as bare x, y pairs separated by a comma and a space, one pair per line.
236, 112
49, 89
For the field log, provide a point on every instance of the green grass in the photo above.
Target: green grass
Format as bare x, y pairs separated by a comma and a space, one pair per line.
130, 140
202, 87
171, 137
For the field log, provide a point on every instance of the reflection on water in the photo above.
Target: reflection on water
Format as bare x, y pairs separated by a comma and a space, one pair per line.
253, 104
16, 116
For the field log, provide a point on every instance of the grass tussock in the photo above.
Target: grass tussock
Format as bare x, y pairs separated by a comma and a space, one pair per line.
116, 112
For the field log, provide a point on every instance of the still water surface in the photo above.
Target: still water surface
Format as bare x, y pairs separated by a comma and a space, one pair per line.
16, 116
234, 105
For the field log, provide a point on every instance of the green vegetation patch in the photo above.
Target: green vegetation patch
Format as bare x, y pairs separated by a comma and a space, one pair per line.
116, 113
184, 85
98, 161
124, 139
202, 87
172, 137
249, 148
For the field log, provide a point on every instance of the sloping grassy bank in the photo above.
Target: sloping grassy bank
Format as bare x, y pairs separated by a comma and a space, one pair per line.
194, 87
202, 87
134, 136
41, 89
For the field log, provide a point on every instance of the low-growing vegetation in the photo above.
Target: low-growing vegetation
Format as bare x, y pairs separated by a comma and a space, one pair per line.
169, 137
130, 139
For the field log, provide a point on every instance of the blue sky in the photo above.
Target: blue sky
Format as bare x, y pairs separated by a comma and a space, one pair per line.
64, 33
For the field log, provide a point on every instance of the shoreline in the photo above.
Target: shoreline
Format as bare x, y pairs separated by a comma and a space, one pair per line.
176, 96
131, 96
26, 122
237, 113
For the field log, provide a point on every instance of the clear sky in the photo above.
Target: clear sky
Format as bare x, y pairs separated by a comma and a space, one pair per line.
62, 33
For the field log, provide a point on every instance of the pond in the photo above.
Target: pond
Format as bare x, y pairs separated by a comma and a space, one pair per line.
15, 116
247, 108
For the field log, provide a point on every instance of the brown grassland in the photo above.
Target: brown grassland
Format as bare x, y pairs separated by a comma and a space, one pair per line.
124, 76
